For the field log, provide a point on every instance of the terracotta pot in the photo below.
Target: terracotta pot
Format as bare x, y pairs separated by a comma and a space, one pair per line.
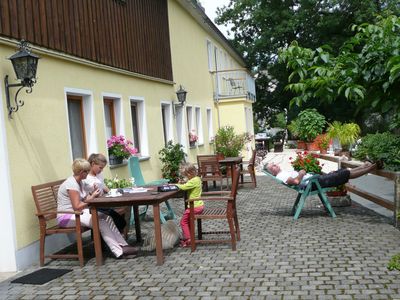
301, 144
220, 156
312, 146
336, 193
323, 151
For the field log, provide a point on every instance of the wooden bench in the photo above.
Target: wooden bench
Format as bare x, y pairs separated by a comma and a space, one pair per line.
45, 197
304, 191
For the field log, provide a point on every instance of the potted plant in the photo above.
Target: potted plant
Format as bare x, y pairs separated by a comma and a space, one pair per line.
322, 142
171, 157
119, 149
338, 196
346, 133
306, 161
228, 143
310, 124
293, 128
193, 138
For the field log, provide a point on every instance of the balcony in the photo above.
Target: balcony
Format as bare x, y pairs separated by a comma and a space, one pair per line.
236, 83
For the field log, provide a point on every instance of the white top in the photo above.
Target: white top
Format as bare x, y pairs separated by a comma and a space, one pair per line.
285, 175
91, 180
63, 199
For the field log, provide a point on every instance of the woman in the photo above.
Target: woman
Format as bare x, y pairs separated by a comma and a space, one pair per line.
72, 196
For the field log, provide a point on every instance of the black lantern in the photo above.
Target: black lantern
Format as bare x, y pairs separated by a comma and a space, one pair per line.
25, 65
181, 95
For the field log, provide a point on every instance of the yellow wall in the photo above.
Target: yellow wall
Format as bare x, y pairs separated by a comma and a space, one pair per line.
37, 136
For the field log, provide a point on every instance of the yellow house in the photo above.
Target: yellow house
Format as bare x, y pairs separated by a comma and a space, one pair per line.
110, 68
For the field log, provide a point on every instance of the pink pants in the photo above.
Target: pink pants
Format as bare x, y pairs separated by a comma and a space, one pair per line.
186, 219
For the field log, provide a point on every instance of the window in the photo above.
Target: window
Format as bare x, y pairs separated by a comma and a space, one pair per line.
210, 125
166, 121
189, 118
109, 116
139, 126
135, 125
76, 126
210, 56
199, 125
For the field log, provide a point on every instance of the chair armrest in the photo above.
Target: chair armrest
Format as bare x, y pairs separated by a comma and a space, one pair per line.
48, 212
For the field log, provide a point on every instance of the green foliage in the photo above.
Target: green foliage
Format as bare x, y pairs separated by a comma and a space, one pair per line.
311, 123
394, 263
322, 141
228, 143
117, 183
171, 157
260, 28
366, 71
346, 133
293, 127
383, 147
308, 162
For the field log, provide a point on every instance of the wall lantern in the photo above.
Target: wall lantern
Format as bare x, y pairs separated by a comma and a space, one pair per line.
25, 66
181, 95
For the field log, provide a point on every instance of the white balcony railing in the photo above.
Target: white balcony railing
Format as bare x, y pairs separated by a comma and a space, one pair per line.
234, 84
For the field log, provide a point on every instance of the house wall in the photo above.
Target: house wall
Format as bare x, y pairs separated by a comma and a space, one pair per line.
37, 136
36, 139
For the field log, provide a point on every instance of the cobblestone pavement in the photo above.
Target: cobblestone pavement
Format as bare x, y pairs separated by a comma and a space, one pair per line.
315, 257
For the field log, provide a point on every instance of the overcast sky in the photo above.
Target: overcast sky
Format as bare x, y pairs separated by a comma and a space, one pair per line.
211, 6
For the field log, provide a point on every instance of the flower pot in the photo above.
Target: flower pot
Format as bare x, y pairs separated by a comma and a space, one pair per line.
312, 146
116, 160
301, 145
323, 151
192, 144
220, 156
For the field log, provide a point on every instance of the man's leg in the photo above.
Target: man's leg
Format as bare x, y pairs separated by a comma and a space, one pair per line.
362, 170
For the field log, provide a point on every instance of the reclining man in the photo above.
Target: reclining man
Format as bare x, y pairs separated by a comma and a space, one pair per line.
331, 179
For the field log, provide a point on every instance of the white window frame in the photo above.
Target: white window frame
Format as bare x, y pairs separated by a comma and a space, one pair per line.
210, 126
168, 121
199, 125
181, 132
189, 120
89, 118
142, 124
210, 54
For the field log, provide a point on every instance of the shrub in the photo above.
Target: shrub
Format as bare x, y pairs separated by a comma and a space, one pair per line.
346, 133
384, 147
228, 143
171, 157
310, 124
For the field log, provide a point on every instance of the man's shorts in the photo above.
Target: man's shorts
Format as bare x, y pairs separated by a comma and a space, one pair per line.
333, 179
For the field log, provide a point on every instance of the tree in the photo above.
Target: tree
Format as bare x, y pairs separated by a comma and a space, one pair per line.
261, 27
366, 71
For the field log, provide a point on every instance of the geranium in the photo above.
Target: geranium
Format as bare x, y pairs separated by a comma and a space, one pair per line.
120, 147
192, 136
308, 162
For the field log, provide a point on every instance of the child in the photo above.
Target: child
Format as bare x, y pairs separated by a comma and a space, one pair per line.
95, 180
193, 188
95, 177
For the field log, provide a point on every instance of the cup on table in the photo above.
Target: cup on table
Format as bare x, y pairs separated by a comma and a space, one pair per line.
114, 192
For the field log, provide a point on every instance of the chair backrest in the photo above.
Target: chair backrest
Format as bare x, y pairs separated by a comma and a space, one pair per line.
45, 197
253, 157
208, 165
235, 182
135, 171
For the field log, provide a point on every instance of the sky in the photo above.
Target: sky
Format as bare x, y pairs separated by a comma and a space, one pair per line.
210, 7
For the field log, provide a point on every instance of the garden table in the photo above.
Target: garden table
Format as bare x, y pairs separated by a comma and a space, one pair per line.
150, 197
232, 162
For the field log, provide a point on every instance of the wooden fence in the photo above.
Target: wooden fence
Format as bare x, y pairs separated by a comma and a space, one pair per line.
394, 176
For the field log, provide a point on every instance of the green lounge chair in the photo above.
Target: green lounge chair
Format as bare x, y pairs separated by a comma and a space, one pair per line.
305, 190
136, 172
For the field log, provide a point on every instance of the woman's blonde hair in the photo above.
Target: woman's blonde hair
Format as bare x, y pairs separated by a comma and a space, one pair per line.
97, 158
80, 165
187, 168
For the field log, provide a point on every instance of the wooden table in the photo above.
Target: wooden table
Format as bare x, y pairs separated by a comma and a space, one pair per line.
130, 199
231, 162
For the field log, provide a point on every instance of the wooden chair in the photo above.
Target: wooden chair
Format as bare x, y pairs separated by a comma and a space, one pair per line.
45, 196
218, 205
250, 169
209, 170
